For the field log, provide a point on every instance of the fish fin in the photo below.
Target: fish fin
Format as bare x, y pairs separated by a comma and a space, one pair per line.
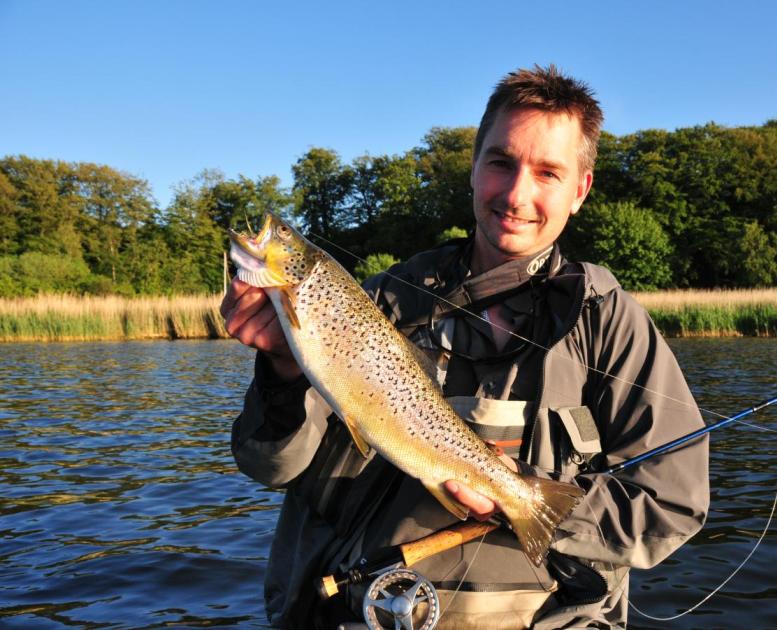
287, 301
358, 440
534, 524
448, 502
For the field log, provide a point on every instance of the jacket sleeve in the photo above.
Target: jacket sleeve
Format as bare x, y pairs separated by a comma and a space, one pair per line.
640, 399
279, 429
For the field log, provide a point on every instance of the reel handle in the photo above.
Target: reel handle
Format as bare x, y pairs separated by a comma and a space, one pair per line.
443, 540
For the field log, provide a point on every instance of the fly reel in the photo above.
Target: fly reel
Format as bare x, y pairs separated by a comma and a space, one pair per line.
401, 599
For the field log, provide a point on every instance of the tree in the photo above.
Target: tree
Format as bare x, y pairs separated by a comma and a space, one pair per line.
111, 208
384, 201
9, 228
321, 186
195, 240
372, 265
624, 238
444, 165
451, 233
757, 257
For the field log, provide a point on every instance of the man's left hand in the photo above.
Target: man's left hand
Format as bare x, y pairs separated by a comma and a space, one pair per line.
481, 507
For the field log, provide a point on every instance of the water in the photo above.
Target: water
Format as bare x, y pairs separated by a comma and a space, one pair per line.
121, 507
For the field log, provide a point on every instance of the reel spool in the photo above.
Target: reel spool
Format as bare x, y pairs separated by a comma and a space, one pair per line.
401, 599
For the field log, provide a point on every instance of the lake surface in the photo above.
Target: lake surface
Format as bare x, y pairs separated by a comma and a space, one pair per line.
120, 505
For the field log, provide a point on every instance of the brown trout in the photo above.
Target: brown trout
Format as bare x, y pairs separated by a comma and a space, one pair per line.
374, 380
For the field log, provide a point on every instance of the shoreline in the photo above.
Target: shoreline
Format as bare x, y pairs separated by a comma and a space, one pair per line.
52, 318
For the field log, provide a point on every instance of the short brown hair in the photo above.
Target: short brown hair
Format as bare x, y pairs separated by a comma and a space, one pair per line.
548, 90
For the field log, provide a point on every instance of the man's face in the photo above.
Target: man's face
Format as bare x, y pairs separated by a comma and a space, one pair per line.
526, 183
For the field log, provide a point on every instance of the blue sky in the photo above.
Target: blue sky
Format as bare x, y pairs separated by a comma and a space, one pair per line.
163, 89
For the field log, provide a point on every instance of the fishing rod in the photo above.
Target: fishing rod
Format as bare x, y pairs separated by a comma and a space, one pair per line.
690, 436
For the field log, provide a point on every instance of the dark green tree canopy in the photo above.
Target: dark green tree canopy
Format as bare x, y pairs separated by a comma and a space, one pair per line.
695, 207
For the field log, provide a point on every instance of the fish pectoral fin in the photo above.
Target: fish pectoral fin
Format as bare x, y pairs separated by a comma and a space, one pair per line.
357, 438
447, 501
287, 301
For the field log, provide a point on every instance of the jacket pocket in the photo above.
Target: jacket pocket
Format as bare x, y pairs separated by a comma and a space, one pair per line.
565, 440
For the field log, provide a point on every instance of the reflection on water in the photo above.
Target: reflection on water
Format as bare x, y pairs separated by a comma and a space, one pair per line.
121, 506
726, 376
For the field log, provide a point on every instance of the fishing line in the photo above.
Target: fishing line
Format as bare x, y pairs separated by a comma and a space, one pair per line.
529, 341
716, 590
464, 577
757, 426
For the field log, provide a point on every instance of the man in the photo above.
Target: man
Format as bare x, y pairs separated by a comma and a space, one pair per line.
562, 371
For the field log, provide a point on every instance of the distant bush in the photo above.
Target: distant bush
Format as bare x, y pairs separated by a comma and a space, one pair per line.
451, 233
374, 264
628, 240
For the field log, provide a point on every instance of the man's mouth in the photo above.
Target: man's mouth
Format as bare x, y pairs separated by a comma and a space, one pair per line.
513, 219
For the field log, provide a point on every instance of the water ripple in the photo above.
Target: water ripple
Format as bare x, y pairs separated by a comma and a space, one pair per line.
121, 506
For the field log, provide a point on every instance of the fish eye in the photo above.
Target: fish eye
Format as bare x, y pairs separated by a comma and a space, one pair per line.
283, 232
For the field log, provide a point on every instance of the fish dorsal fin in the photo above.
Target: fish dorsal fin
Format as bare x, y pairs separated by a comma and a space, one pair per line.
287, 302
358, 440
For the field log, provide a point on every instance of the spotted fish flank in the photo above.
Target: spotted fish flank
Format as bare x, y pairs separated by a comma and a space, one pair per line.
370, 375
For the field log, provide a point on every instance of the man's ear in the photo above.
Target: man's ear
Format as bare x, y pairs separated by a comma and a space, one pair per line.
583, 187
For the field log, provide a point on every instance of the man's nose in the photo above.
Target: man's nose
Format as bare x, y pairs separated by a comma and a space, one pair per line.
519, 188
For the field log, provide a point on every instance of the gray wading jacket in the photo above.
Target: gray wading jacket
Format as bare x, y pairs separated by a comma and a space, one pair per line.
607, 365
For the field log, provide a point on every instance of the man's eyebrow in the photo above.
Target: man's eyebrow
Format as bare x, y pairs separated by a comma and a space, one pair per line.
551, 165
497, 150
543, 163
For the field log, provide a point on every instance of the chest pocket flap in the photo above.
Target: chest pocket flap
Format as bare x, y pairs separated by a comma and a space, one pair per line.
582, 431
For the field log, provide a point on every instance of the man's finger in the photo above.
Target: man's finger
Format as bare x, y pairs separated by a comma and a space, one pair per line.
258, 331
237, 288
250, 304
480, 507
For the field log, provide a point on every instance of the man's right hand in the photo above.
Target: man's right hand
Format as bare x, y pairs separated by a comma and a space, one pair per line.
250, 317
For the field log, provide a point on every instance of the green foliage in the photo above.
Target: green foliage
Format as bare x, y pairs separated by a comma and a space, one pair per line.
451, 233
700, 202
372, 265
321, 187
757, 257
627, 240
33, 273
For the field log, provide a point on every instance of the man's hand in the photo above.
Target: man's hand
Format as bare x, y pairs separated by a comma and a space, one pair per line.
250, 317
481, 507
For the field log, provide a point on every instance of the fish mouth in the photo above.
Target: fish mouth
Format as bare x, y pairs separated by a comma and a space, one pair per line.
253, 246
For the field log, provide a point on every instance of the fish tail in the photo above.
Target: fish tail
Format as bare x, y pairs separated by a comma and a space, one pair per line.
535, 520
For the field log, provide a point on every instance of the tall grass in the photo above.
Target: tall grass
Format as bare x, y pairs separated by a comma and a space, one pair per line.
751, 312
71, 318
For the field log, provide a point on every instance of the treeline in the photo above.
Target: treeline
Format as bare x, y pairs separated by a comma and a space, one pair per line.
696, 207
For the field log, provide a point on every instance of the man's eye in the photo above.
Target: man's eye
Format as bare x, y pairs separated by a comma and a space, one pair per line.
549, 175
499, 163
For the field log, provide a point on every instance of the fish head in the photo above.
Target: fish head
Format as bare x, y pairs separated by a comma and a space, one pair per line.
278, 256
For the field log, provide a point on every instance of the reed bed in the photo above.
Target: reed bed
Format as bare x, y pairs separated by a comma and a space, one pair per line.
76, 318
714, 313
